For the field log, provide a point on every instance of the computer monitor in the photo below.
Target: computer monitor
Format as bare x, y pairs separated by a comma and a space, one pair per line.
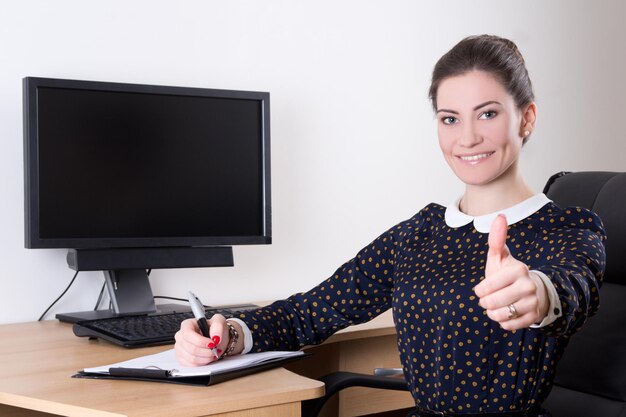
132, 177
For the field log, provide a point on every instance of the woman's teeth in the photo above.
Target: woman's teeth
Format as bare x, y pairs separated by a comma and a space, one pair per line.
476, 157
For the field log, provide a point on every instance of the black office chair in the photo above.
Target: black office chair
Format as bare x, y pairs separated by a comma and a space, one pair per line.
591, 378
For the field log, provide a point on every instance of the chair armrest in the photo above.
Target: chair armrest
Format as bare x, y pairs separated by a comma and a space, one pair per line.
337, 381
388, 371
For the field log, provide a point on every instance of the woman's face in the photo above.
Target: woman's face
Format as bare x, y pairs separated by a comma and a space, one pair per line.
479, 126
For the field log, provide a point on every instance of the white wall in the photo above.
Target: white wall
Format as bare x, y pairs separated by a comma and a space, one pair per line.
354, 146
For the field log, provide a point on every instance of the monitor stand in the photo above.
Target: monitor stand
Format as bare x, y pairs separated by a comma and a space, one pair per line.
126, 277
130, 294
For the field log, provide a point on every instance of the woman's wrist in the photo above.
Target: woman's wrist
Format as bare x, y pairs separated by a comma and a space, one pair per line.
554, 304
235, 340
542, 296
245, 334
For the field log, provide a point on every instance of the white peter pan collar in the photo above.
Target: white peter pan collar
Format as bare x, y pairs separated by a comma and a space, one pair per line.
456, 218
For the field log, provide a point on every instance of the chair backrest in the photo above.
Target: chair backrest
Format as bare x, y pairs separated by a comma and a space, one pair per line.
591, 377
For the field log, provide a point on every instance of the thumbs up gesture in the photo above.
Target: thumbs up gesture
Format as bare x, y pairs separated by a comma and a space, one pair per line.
511, 294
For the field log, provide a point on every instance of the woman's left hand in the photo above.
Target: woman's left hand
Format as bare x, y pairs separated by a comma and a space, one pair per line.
512, 295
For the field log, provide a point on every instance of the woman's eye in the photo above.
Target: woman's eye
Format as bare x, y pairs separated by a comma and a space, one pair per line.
448, 120
489, 114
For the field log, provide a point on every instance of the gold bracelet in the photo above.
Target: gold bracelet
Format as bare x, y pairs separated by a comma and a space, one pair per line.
234, 338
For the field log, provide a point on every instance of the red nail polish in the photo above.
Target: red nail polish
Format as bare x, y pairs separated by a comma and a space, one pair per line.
211, 345
216, 339
219, 351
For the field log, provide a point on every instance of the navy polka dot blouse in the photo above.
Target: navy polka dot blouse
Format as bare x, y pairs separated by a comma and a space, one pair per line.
454, 357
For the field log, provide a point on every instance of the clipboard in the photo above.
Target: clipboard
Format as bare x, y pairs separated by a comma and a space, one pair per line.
162, 367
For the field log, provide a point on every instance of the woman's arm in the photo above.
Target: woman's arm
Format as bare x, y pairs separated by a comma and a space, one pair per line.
357, 292
575, 268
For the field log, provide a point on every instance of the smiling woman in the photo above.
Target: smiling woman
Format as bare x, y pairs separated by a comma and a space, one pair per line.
481, 131
485, 292
483, 98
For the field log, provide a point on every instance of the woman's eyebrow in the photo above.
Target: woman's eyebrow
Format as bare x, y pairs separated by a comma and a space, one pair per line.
447, 111
486, 103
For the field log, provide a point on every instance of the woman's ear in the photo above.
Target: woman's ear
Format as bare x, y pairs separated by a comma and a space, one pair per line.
529, 117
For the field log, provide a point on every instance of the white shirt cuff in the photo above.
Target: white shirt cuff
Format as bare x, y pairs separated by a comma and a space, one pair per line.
247, 335
554, 311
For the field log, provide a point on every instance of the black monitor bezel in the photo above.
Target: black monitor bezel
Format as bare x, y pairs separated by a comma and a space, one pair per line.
31, 167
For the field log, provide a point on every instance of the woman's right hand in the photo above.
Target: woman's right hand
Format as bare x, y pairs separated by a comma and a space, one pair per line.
193, 349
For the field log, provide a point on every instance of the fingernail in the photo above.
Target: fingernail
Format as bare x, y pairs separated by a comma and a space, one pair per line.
219, 351
211, 345
216, 340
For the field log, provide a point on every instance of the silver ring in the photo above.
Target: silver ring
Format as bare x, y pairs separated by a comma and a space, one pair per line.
512, 311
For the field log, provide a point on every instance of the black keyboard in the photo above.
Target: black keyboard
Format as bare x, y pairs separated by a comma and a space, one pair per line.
141, 330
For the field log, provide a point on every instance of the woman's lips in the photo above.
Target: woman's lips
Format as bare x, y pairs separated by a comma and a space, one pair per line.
475, 159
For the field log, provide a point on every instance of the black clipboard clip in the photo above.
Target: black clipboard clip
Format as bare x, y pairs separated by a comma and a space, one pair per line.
156, 373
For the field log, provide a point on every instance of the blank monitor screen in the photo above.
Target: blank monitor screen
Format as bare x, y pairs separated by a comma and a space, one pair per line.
130, 165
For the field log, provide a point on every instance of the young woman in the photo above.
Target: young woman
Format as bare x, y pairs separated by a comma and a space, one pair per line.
485, 292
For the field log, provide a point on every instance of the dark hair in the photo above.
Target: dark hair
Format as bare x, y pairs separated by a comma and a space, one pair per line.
493, 54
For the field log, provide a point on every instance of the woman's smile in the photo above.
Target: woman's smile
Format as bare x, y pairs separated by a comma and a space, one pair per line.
476, 158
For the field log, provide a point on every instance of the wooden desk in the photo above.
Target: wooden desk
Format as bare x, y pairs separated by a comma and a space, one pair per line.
38, 359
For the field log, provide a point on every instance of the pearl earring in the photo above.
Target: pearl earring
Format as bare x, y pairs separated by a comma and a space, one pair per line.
526, 133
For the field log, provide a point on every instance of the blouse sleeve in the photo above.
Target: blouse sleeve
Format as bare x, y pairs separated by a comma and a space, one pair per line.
576, 262
357, 292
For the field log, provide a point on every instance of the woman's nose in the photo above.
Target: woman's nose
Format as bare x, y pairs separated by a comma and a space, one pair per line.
469, 136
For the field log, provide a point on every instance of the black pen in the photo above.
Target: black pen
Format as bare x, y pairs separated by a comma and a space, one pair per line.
198, 311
